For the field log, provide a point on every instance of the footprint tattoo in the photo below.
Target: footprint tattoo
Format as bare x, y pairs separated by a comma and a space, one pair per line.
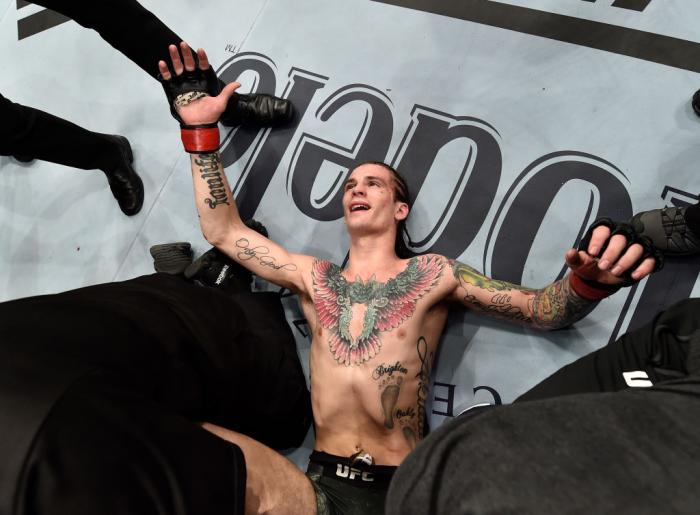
390, 387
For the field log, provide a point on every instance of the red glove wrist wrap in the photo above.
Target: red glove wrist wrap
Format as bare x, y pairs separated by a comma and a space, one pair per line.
200, 139
590, 290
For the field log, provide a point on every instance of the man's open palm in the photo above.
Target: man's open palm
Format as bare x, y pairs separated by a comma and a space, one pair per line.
195, 108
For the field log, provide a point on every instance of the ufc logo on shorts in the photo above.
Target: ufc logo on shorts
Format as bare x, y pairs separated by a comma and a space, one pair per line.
637, 379
352, 473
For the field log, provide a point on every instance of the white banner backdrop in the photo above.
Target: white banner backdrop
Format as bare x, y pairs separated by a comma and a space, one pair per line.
512, 142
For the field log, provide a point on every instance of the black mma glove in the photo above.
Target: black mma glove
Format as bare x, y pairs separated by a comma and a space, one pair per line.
197, 139
593, 290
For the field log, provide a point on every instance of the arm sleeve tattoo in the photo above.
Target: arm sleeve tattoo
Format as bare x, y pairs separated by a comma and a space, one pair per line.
557, 305
552, 307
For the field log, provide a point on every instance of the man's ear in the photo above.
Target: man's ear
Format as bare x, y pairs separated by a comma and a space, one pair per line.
401, 211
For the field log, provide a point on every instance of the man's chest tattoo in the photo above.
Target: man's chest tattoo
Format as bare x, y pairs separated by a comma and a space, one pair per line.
386, 305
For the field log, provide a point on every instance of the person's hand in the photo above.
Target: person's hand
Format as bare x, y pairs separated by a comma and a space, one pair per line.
189, 85
610, 259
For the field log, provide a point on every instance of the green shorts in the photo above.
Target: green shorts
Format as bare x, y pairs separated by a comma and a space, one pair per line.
342, 489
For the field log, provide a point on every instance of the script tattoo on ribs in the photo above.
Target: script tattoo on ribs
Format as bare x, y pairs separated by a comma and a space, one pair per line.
386, 305
210, 170
413, 430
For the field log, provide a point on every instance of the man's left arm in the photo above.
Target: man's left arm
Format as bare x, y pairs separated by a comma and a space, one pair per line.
612, 258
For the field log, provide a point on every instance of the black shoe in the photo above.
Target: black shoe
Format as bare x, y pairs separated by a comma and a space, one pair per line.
23, 159
171, 258
696, 102
125, 183
257, 110
217, 270
667, 230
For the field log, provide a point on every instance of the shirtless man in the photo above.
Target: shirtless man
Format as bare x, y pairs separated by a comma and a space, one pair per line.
376, 324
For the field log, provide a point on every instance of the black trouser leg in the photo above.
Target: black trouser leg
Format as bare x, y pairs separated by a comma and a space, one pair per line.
663, 349
106, 448
125, 24
144, 39
692, 218
637, 449
33, 133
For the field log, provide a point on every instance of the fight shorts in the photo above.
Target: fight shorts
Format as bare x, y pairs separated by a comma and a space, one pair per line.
345, 489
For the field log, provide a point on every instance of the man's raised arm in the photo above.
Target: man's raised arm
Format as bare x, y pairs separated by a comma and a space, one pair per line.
614, 257
189, 88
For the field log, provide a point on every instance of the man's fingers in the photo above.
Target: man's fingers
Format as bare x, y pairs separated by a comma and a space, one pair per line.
644, 269
175, 59
187, 56
629, 258
615, 247
226, 93
203, 59
572, 258
577, 259
598, 238
163, 69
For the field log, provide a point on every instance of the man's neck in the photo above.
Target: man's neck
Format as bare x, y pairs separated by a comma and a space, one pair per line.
371, 255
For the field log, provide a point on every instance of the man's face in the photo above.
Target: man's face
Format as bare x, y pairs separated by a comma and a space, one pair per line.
369, 204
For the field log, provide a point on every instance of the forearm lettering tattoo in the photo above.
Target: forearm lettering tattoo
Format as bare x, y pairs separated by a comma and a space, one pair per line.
390, 378
211, 171
557, 305
261, 255
387, 305
188, 98
499, 294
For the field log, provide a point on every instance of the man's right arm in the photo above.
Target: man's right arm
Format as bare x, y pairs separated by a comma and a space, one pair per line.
223, 228
188, 87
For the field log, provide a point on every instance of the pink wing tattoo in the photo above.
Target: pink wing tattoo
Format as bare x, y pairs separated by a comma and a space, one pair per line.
421, 276
325, 277
388, 304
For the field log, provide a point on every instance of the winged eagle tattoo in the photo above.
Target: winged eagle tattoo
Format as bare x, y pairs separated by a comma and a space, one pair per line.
388, 304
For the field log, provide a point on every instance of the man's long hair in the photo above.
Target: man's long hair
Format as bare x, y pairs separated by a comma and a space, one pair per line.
401, 194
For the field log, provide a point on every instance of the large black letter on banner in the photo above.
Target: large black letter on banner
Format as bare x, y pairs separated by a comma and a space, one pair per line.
526, 203
371, 144
258, 172
497, 401
468, 198
448, 401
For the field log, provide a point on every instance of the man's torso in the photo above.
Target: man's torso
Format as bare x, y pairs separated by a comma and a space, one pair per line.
372, 350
